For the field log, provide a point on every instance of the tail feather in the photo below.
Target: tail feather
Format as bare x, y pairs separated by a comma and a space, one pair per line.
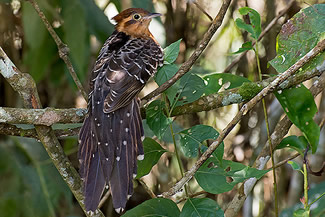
109, 146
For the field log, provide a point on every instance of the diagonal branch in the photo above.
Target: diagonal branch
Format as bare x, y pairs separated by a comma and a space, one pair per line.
26, 87
280, 131
243, 111
63, 48
196, 54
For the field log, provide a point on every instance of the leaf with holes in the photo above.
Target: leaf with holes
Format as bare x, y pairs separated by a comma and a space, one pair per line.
298, 36
154, 207
190, 88
171, 52
152, 154
218, 153
299, 105
156, 118
294, 142
218, 178
203, 207
192, 138
215, 81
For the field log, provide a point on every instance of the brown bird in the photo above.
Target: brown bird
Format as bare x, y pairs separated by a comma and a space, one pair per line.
110, 140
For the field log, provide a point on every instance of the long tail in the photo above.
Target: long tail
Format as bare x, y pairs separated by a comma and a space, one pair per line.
110, 144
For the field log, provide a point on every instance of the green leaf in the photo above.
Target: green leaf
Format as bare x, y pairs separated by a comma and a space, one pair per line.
76, 35
41, 49
294, 165
216, 81
255, 20
246, 46
156, 118
154, 208
191, 138
301, 213
297, 143
97, 22
218, 178
190, 88
152, 154
298, 36
299, 105
203, 207
218, 153
171, 52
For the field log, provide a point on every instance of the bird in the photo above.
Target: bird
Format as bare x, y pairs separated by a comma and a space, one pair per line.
110, 139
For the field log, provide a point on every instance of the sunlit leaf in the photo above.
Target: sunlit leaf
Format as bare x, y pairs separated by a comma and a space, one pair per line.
154, 208
152, 154
298, 36
228, 81
203, 207
171, 52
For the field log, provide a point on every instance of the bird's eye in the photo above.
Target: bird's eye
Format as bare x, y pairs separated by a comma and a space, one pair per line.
136, 16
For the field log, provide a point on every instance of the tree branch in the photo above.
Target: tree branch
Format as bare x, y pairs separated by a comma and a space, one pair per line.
50, 116
243, 111
63, 48
280, 131
196, 54
26, 87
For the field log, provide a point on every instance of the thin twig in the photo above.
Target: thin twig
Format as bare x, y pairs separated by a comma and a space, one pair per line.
202, 9
196, 54
147, 189
266, 30
63, 48
285, 161
243, 111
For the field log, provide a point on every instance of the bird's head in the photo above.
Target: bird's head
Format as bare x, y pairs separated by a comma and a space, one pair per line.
134, 22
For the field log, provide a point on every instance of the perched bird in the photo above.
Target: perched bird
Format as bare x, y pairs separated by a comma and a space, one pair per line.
110, 140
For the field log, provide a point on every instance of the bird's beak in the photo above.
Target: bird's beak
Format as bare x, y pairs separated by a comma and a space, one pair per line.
152, 15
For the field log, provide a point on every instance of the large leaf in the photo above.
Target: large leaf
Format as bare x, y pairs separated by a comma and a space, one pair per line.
154, 208
203, 207
298, 36
76, 35
171, 52
97, 21
299, 105
215, 81
156, 118
191, 138
152, 154
217, 178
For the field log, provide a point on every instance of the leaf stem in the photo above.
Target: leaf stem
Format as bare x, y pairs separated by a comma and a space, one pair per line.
175, 145
305, 186
268, 134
